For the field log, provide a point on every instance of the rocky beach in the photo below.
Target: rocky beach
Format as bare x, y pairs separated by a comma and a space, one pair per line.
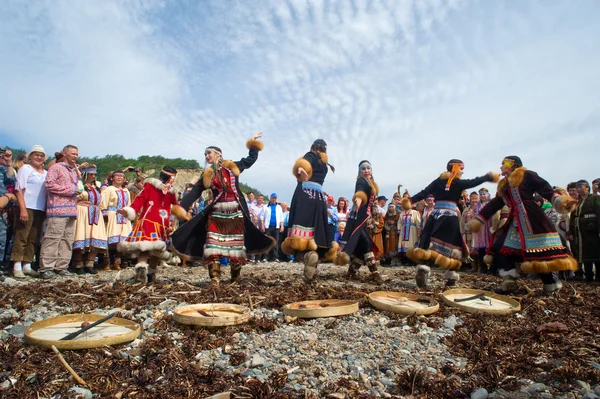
368, 354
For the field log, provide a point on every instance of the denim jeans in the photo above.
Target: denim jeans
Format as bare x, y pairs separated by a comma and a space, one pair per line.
3, 231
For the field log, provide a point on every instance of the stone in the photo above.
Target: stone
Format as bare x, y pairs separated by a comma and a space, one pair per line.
257, 361
336, 395
590, 395
8, 383
386, 382
18, 330
582, 385
480, 393
86, 393
535, 387
11, 282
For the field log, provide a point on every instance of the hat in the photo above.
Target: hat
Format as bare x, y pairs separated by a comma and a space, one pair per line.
582, 183
330, 198
382, 197
37, 148
274, 195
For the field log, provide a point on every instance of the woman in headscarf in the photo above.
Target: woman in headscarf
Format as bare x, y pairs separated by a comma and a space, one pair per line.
357, 247
90, 231
223, 229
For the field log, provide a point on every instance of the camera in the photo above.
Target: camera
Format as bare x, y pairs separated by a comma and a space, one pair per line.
2, 149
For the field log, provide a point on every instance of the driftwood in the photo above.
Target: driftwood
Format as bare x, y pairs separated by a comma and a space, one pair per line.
69, 368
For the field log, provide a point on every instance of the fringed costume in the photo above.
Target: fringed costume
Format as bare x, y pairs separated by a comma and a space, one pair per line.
357, 247
482, 239
118, 227
408, 230
307, 226
441, 242
149, 237
390, 231
90, 231
528, 236
223, 229
375, 229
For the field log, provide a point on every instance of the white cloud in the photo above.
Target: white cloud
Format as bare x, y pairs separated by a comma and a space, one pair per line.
406, 84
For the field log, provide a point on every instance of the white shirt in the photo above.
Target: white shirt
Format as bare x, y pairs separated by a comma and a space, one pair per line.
278, 216
259, 213
33, 184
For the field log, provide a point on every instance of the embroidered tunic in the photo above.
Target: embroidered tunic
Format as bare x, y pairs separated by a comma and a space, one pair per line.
90, 231
408, 224
118, 226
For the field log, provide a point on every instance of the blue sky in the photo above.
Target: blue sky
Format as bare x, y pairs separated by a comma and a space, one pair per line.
405, 84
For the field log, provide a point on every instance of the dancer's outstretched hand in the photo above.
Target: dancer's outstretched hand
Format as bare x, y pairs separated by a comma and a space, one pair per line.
257, 136
303, 174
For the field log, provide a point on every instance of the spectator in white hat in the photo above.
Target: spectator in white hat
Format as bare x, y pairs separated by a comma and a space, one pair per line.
31, 197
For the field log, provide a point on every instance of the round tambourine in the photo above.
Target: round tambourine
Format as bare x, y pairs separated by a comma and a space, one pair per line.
320, 308
479, 301
48, 332
403, 303
212, 314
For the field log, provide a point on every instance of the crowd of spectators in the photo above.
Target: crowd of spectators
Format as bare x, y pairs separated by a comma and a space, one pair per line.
53, 220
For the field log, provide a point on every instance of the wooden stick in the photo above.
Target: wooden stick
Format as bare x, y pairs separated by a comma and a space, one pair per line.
185, 292
75, 334
69, 368
250, 300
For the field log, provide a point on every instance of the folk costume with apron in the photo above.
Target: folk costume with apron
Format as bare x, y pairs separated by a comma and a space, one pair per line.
307, 237
441, 242
357, 246
224, 228
528, 236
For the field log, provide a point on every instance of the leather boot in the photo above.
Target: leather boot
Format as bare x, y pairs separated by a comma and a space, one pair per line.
422, 276
235, 271
373, 265
214, 272
311, 260
509, 285
354, 267
141, 273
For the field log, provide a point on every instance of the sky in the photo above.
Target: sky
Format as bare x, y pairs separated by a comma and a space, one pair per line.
405, 84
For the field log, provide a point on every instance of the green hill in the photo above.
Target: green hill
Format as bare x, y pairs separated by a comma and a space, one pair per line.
150, 165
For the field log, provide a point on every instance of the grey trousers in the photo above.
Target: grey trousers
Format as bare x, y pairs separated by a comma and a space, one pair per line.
57, 246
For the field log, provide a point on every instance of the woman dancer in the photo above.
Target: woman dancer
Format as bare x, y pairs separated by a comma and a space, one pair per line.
307, 226
357, 246
441, 242
223, 229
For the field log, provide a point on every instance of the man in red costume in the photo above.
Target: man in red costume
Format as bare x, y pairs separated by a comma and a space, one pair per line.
150, 234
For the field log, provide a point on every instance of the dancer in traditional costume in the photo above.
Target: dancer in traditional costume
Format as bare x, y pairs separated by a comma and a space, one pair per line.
357, 246
118, 227
90, 231
390, 231
375, 229
441, 242
408, 230
150, 235
481, 239
307, 236
530, 237
468, 237
223, 229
